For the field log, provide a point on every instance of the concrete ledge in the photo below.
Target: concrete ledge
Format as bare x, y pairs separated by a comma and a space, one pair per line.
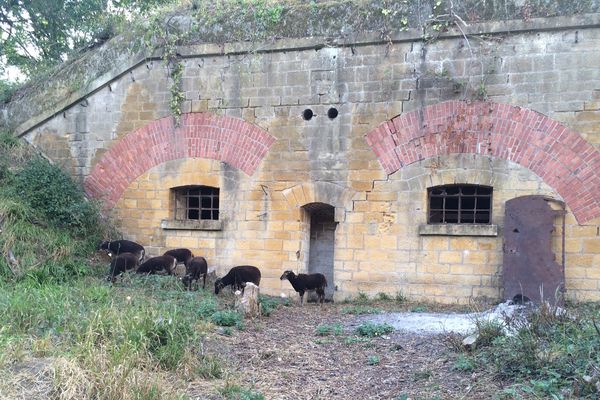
190, 225
458, 230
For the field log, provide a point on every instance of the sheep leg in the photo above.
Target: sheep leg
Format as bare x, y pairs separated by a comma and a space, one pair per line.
301, 299
204, 281
321, 294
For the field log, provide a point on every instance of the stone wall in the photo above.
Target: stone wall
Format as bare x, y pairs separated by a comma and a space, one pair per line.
243, 131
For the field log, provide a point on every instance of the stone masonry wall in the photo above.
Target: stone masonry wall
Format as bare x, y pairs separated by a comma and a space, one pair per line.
377, 246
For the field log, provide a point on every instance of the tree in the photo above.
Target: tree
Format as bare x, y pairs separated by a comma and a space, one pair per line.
36, 34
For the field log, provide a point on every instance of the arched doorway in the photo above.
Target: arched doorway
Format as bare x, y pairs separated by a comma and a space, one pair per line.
321, 243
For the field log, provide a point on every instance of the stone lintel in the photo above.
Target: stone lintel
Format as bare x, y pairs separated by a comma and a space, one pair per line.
191, 225
458, 230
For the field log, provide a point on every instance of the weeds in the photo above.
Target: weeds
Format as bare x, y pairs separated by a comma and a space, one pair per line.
210, 367
373, 360
464, 363
226, 318
381, 296
268, 304
360, 310
488, 331
330, 329
355, 339
400, 298
370, 329
549, 355
232, 391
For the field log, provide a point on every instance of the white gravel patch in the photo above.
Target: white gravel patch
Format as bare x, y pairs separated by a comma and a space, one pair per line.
428, 323
435, 323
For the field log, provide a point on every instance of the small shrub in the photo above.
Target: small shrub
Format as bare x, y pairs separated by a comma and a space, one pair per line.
362, 298
226, 318
373, 360
7, 89
232, 391
370, 329
418, 309
464, 364
268, 305
453, 341
360, 310
383, 296
207, 307
326, 330
488, 331
227, 331
8, 141
355, 339
423, 375
209, 367
400, 298
55, 197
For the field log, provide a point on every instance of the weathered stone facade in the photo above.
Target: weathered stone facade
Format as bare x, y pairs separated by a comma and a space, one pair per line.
407, 120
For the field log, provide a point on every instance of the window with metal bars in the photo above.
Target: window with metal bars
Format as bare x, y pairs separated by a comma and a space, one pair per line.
460, 204
196, 203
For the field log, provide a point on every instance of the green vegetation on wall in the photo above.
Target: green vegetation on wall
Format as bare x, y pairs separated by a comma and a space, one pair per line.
192, 22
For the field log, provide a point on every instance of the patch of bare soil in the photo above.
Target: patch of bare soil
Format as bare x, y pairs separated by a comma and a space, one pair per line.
27, 380
283, 357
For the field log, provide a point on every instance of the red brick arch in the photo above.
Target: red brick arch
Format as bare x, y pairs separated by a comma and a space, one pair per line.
560, 156
203, 135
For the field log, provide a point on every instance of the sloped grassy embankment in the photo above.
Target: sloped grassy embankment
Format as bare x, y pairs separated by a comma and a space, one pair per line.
67, 334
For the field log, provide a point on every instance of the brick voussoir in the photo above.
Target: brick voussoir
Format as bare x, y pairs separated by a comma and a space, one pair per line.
200, 135
554, 152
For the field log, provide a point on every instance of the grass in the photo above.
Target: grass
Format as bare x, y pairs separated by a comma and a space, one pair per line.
233, 391
101, 337
549, 357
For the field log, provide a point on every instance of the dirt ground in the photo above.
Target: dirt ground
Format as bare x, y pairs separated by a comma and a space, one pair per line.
283, 357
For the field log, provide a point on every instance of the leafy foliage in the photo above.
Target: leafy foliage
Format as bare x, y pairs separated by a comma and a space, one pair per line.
47, 226
268, 304
226, 318
36, 34
54, 195
370, 329
550, 354
330, 329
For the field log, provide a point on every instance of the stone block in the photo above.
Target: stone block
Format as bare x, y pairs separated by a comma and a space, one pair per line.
591, 246
451, 257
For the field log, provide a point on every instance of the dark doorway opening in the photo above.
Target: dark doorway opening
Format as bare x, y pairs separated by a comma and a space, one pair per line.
322, 243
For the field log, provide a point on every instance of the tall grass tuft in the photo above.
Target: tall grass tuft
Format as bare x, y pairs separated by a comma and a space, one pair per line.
551, 354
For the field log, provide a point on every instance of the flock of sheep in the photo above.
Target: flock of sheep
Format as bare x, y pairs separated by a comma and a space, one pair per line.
127, 255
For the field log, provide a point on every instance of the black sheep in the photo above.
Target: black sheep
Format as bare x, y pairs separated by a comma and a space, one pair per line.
182, 255
237, 277
193, 269
116, 247
155, 264
307, 282
120, 264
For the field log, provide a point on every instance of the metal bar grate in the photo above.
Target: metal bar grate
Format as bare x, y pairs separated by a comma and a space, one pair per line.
460, 204
196, 203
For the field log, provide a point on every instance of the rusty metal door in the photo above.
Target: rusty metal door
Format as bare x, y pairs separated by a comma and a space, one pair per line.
529, 265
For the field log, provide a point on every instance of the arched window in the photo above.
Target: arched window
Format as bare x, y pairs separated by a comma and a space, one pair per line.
459, 204
195, 203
